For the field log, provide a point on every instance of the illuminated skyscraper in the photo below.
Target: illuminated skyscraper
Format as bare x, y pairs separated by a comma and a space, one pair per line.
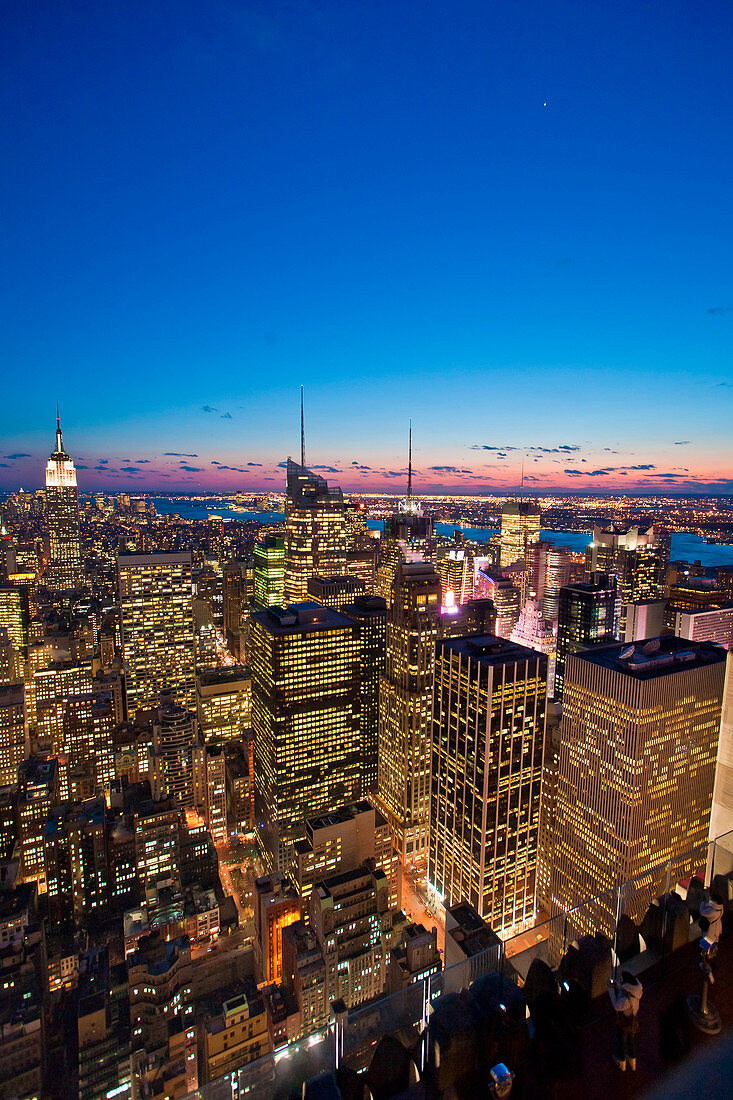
156, 606
406, 707
315, 530
176, 761
586, 617
12, 733
535, 632
520, 528
488, 739
269, 571
15, 615
503, 595
636, 557
62, 516
305, 715
371, 614
548, 569
638, 746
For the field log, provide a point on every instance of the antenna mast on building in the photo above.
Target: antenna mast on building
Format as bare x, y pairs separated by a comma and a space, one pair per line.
302, 430
409, 464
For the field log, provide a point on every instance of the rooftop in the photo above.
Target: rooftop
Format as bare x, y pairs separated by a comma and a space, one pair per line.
488, 649
301, 618
646, 660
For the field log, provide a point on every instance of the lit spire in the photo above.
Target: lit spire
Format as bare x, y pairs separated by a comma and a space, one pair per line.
59, 437
302, 431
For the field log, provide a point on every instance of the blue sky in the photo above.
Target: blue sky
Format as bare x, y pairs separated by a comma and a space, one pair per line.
510, 221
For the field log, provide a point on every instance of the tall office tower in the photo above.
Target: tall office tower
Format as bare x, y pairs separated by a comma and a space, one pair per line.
214, 537
408, 535
405, 709
504, 596
535, 632
224, 703
370, 612
305, 715
175, 760
715, 625
269, 571
15, 615
237, 599
520, 528
635, 557
156, 610
721, 816
586, 618
548, 569
62, 515
644, 619
38, 791
315, 531
343, 840
355, 519
334, 592
488, 742
638, 746
12, 733
455, 569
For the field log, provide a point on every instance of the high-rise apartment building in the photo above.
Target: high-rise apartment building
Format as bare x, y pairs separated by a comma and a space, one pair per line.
503, 595
520, 528
406, 707
156, 607
62, 516
176, 759
638, 747
269, 571
315, 531
370, 612
305, 715
715, 625
38, 791
586, 617
487, 750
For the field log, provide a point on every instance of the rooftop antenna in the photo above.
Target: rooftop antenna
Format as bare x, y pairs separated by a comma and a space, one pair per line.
302, 431
59, 442
409, 464
521, 488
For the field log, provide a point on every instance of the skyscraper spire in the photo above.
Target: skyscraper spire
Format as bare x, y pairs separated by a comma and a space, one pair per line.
302, 430
521, 488
59, 437
409, 464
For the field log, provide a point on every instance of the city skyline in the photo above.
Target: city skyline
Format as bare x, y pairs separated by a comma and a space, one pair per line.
511, 225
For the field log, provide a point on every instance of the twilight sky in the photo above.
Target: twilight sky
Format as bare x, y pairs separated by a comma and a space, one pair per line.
510, 220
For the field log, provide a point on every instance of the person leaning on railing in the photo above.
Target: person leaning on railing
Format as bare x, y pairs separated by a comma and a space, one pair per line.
625, 997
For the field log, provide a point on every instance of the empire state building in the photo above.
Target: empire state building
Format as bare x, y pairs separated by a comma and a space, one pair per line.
62, 513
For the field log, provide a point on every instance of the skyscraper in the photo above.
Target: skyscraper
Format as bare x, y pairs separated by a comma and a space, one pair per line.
548, 569
370, 612
635, 556
406, 708
408, 535
62, 516
586, 617
487, 747
176, 761
305, 714
156, 608
315, 532
520, 528
269, 571
638, 745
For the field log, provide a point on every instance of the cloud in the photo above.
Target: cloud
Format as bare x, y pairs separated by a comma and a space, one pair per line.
79, 467
208, 409
105, 469
610, 451
103, 460
192, 469
5, 465
20, 454
586, 473
564, 448
357, 466
214, 462
448, 470
282, 465
176, 454
142, 461
488, 447
328, 469
129, 470
724, 384
719, 311
254, 463
226, 416
220, 467
681, 442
